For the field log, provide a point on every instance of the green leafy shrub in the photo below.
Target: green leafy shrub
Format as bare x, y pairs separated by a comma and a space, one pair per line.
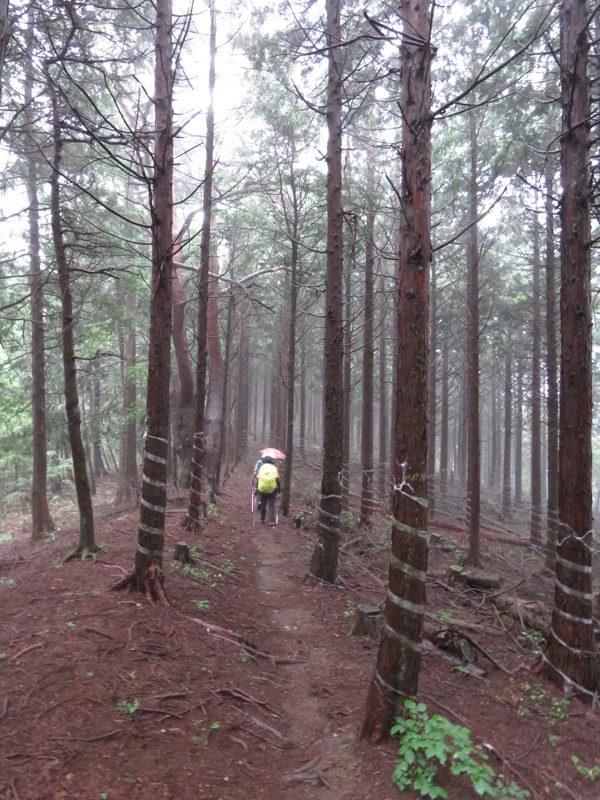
426, 743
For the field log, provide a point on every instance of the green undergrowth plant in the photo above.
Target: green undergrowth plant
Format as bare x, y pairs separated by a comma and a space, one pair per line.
428, 743
589, 773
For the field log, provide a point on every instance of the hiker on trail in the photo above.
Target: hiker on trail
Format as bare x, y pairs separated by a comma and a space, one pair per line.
268, 487
257, 466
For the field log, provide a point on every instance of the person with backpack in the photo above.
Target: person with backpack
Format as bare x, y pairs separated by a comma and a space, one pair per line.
268, 487
257, 466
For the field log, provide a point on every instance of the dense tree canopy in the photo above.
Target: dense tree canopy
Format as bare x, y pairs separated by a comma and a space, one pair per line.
299, 334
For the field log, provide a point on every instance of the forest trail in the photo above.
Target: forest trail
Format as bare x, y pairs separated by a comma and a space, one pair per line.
249, 684
321, 735
246, 686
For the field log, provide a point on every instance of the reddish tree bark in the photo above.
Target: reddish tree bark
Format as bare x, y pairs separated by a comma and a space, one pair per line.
186, 406
99, 467
383, 488
366, 445
444, 421
147, 575
535, 527
431, 412
570, 658
519, 436
506, 466
213, 422
243, 392
551, 379
473, 411
324, 561
195, 504
72, 406
41, 520
128, 487
399, 657
348, 271
293, 221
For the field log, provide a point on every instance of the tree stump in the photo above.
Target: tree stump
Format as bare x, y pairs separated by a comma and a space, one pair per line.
367, 621
472, 579
182, 553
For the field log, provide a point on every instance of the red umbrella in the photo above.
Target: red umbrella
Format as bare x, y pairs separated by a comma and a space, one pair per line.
273, 452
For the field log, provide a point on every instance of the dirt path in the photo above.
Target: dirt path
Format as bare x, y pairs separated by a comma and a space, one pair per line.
248, 685
322, 731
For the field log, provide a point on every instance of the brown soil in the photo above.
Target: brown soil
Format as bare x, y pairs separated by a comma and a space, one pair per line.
249, 684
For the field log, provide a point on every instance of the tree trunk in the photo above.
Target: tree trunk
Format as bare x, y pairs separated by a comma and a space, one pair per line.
519, 438
243, 392
366, 446
473, 411
462, 457
286, 488
302, 443
184, 423
551, 379
494, 461
535, 528
214, 406
571, 654
149, 554
41, 520
431, 412
225, 452
128, 488
195, 504
99, 467
383, 487
86, 427
444, 422
324, 561
278, 377
347, 366
399, 658
72, 408
506, 467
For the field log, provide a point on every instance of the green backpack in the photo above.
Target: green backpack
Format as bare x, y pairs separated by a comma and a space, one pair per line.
267, 479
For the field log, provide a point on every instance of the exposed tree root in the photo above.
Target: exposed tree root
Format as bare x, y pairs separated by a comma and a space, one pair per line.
189, 524
152, 585
82, 553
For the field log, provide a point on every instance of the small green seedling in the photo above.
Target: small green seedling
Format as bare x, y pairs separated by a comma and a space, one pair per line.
128, 707
558, 708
